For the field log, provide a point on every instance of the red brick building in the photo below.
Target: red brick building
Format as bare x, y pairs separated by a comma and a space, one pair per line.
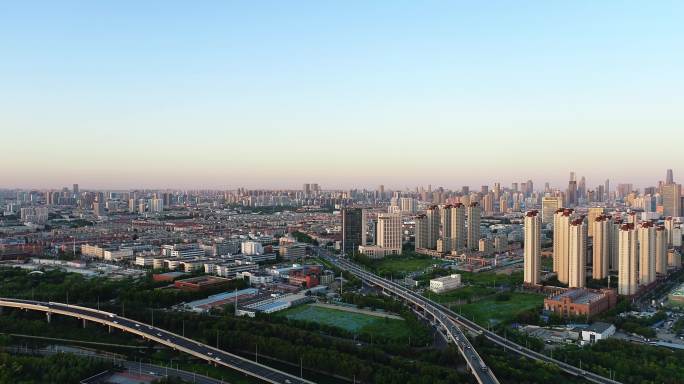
201, 283
581, 302
298, 278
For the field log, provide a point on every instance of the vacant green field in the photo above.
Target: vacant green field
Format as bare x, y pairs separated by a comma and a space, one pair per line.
489, 279
402, 266
500, 311
461, 294
352, 322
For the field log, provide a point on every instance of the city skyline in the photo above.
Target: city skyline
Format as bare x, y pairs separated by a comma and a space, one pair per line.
290, 185
224, 95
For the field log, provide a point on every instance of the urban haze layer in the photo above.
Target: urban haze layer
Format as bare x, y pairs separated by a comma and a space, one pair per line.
495, 284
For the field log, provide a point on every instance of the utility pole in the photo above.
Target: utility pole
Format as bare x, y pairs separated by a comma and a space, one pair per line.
236, 303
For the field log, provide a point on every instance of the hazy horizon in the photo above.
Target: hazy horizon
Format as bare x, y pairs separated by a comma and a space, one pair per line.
538, 185
275, 94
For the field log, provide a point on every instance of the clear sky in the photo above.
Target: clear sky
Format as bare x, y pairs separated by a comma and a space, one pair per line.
224, 94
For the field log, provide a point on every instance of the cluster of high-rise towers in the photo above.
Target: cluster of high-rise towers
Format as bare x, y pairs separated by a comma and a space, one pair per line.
451, 227
636, 250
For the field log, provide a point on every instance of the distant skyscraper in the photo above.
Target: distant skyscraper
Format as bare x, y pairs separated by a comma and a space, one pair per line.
408, 205
561, 245
497, 191
75, 188
421, 232
577, 253
389, 232
99, 208
488, 203
549, 207
571, 195
446, 222
601, 248
669, 178
672, 202
582, 189
532, 256
503, 204
353, 229
156, 205
474, 215
669, 225
627, 269
647, 250
433, 220
458, 227
606, 190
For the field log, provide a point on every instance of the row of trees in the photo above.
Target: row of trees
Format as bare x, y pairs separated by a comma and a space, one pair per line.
56, 285
327, 349
61, 368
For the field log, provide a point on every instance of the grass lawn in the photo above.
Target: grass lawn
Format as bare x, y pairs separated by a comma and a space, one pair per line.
500, 311
461, 294
398, 265
352, 322
401, 266
489, 279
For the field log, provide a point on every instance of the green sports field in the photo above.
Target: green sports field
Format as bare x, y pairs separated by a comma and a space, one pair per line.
353, 322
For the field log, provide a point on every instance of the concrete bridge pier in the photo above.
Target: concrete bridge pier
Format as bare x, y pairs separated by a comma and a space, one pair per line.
84, 323
49, 316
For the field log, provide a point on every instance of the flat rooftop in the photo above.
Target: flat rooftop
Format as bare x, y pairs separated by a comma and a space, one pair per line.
222, 298
578, 296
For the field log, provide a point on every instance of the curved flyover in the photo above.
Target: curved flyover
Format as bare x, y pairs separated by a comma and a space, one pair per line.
477, 366
180, 343
438, 311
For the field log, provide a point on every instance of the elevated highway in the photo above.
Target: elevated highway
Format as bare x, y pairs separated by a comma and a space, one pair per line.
440, 312
172, 340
